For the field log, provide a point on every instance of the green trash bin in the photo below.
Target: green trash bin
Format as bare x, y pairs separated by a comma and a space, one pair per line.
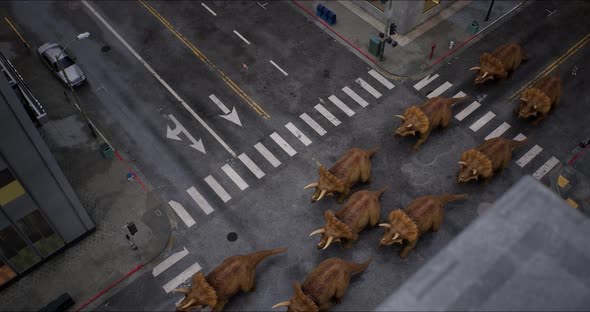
375, 46
107, 151
473, 28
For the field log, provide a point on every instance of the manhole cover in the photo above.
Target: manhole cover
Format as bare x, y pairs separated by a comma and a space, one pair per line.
232, 236
105, 48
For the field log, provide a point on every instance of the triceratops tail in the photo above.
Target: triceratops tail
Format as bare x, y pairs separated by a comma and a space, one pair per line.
258, 256
514, 144
381, 191
452, 101
372, 151
358, 267
451, 197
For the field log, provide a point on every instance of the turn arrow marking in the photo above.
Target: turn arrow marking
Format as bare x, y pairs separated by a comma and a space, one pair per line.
233, 116
173, 134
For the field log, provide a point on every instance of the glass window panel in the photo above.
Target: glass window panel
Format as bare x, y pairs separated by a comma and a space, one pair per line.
6, 273
15, 249
40, 233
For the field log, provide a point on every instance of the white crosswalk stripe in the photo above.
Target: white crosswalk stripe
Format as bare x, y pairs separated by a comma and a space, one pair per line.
313, 124
422, 83
519, 137
341, 105
283, 144
459, 94
547, 166
482, 121
526, 158
267, 154
168, 262
381, 79
498, 131
322, 110
182, 213
234, 176
180, 278
298, 134
217, 188
355, 96
467, 110
200, 200
438, 91
251, 165
368, 87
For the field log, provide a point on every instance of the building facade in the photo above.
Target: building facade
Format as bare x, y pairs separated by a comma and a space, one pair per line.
39, 212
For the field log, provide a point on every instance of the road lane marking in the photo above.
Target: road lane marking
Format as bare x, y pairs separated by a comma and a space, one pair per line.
519, 137
251, 165
233, 175
498, 131
229, 115
200, 200
368, 87
180, 278
217, 188
279, 68
349, 112
164, 83
313, 124
205, 60
460, 94
168, 262
182, 213
355, 96
422, 83
547, 166
322, 110
298, 134
381, 79
526, 158
467, 110
283, 144
241, 37
438, 91
482, 121
17, 33
208, 9
267, 154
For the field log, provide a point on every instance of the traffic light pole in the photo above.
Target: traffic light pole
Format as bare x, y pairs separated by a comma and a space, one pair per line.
386, 33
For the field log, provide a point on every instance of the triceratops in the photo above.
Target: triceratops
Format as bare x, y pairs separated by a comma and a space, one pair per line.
362, 209
423, 214
325, 284
491, 156
504, 60
352, 167
236, 273
435, 112
538, 100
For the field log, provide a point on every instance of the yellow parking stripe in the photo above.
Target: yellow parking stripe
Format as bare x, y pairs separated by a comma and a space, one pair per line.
205, 60
11, 191
562, 181
17, 33
572, 203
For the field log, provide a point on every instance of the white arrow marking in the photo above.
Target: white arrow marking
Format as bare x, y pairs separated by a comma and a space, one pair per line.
233, 116
173, 134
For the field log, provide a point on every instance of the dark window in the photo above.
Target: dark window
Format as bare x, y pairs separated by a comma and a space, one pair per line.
5, 177
16, 250
40, 233
6, 273
64, 62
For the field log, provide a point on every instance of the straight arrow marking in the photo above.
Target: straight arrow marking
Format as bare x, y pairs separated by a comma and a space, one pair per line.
219, 104
231, 116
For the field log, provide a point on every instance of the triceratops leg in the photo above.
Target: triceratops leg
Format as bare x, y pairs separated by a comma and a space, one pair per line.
343, 196
340, 291
540, 118
420, 141
409, 247
220, 305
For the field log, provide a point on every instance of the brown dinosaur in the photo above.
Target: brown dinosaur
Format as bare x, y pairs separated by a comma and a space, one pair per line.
361, 209
423, 214
234, 274
325, 284
352, 167
433, 113
503, 61
491, 156
541, 98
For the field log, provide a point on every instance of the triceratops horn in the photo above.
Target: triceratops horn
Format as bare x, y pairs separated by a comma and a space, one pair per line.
395, 236
330, 239
189, 303
321, 195
474, 172
463, 163
311, 185
281, 304
484, 74
524, 100
319, 231
475, 68
181, 290
401, 117
385, 225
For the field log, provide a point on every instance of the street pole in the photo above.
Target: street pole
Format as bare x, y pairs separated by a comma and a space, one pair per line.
386, 33
489, 10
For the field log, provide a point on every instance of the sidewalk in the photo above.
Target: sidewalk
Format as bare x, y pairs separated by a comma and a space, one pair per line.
103, 257
410, 59
572, 181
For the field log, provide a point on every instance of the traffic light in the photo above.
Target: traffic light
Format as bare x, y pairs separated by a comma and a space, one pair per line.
392, 28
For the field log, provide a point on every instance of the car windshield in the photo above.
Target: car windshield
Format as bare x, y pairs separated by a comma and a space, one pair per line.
64, 62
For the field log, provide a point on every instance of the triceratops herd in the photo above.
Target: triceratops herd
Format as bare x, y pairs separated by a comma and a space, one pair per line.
328, 282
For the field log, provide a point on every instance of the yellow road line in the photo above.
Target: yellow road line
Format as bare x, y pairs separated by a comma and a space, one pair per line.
205, 60
17, 33
571, 51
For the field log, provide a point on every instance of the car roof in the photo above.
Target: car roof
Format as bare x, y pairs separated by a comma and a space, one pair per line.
52, 50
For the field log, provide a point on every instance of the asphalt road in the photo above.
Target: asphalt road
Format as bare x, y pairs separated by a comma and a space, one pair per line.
199, 57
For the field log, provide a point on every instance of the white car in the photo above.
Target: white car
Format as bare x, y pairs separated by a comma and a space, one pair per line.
64, 65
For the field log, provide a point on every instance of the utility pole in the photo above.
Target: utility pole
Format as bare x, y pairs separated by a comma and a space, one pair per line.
387, 33
489, 10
